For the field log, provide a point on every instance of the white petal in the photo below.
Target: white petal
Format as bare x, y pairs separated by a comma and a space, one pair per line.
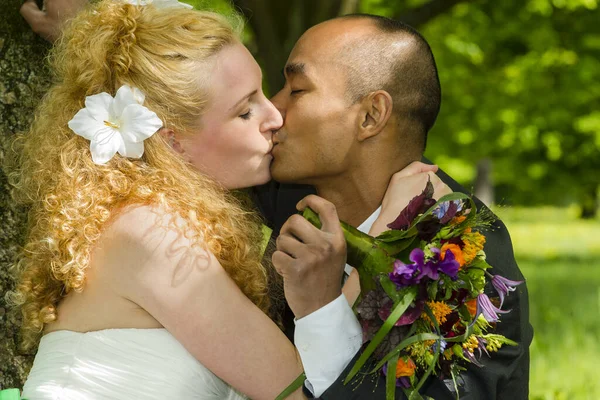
99, 105
85, 125
102, 152
123, 98
133, 150
105, 135
170, 3
138, 123
184, 5
138, 95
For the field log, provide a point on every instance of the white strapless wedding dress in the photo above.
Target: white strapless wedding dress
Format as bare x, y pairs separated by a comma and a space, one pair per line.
120, 364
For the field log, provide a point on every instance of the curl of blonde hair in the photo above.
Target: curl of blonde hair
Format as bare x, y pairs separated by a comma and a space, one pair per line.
166, 54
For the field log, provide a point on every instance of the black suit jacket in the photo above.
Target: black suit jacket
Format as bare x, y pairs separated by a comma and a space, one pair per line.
505, 376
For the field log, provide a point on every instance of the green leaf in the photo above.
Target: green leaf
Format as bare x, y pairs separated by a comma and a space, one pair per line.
298, 382
421, 337
382, 332
390, 379
390, 288
415, 395
266, 232
432, 289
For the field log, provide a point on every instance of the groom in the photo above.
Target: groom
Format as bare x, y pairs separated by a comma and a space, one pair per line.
361, 94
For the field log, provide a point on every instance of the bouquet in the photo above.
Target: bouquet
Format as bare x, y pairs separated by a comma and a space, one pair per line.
422, 305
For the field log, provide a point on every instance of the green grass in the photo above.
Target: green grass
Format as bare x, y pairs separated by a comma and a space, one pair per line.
560, 258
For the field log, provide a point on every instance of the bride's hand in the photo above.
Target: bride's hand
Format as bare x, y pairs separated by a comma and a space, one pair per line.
405, 185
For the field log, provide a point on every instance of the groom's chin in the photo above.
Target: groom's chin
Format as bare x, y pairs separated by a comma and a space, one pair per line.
280, 173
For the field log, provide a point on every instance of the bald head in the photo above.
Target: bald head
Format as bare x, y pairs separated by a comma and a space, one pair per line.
379, 53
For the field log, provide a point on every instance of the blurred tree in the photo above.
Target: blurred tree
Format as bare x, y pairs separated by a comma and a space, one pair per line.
521, 85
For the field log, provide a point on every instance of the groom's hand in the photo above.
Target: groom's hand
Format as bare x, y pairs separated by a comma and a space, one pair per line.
311, 260
404, 185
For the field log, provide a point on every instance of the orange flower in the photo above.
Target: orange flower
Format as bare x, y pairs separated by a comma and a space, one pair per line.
472, 306
405, 368
457, 220
455, 249
474, 242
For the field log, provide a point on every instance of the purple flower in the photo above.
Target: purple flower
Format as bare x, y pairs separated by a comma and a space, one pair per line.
429, 269
481, 345
471, 357
447, 210
503, 286
404, 274
411, 274
449, 265
485, 307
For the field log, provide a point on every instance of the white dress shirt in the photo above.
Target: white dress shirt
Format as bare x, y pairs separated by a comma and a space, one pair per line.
329, 338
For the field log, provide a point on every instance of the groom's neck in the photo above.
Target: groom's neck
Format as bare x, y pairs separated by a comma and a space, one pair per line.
358, 193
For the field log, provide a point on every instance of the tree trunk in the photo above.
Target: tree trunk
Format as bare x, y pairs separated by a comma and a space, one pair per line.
277, 25
23, 80
589, 202
484, 187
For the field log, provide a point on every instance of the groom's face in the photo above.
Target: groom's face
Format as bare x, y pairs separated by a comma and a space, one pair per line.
317, 138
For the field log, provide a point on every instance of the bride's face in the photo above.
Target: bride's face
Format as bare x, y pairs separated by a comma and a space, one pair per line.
234, 142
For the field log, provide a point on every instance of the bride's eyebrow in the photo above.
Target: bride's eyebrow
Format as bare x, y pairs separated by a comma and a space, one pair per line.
243, 99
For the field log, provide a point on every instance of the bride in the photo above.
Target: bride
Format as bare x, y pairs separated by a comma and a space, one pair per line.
142, 274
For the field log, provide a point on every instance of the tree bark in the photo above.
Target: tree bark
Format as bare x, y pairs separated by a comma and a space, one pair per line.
23, 80
277, 25
484, 187
589, 202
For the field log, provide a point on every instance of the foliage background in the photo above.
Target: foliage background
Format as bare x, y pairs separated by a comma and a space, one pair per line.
520, 125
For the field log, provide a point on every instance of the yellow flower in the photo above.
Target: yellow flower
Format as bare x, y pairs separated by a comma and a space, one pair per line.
439, 309
474, 242
448, 353
471, 343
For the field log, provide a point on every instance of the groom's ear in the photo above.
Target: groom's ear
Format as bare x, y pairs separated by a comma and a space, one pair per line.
375, 112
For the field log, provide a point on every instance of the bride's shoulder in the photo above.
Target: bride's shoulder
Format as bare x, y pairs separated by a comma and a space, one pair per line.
149, 238
145, 225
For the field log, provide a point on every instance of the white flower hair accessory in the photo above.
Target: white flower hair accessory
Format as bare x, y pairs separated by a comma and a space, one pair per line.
115, 125
159, 3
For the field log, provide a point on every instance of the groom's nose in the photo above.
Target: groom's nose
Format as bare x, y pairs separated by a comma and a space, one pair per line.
279, 103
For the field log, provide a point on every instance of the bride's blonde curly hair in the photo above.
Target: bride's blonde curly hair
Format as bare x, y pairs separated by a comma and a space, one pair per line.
166, 54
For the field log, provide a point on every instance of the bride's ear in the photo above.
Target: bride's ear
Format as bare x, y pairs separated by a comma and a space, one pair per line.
171, 138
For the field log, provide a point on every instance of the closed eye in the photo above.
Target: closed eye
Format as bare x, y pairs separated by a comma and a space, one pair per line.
297, 91
247, 115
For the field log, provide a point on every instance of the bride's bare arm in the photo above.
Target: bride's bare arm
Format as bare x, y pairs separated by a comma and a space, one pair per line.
187, 291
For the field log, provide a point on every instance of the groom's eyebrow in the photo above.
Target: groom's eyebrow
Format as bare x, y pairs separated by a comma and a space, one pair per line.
295, 69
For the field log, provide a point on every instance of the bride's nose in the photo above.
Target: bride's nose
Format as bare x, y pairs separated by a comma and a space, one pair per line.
273, 120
